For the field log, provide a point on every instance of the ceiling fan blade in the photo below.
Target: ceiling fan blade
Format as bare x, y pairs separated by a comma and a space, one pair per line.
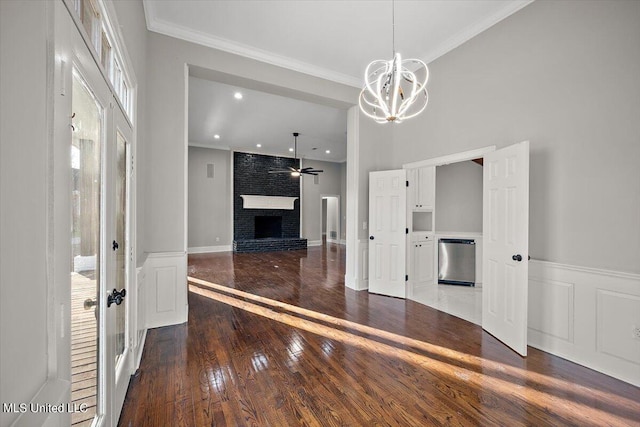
315, 170
309, 173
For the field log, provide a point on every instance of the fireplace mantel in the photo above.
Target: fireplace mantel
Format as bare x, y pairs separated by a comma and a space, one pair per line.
267, 202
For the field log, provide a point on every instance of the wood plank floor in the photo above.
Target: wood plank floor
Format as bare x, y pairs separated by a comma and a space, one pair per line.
277, 340
83, 350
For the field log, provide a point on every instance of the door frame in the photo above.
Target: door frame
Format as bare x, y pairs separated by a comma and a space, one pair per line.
462, 156
70, 51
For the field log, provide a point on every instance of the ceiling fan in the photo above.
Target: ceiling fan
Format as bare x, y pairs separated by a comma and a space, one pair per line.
297, 171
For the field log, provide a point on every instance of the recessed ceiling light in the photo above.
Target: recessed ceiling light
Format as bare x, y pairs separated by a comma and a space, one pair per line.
328, 151
258, 145
291, 149
216, 136
237, 95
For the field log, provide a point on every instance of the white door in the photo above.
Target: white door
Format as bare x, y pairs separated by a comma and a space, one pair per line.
506, 243
119, 358
387, 238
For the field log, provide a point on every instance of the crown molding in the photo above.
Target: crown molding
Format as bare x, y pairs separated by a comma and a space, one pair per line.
157, 25
471, 31
198, 37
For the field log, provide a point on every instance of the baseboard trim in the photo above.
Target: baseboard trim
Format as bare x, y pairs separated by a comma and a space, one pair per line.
140, 349
314, 243
53, 392
209, 249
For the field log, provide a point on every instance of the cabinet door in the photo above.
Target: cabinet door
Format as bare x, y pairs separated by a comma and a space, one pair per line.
426, 188
423, 261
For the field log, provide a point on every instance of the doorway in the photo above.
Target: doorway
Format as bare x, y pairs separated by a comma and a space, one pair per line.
458, 201
330, 224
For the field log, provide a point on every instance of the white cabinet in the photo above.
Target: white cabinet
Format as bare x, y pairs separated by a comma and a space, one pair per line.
422, 258
422, 187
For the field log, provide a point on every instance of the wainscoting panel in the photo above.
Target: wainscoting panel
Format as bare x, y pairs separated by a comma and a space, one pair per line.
618, 319
165, 289
552, 311
588, 316
362, 265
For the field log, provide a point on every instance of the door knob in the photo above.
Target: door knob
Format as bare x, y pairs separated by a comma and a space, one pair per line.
370, 237
517, 257
88, 303
116, 297
115, 245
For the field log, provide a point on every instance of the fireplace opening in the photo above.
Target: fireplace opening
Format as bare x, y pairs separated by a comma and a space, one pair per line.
268, 227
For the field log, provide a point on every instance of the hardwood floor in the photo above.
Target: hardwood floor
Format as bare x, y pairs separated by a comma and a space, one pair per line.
84, 342
277, 340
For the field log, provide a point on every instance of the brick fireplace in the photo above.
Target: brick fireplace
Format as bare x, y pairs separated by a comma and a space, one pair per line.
251, 177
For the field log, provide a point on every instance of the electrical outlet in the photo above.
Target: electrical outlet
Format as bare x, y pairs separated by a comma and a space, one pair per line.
364, 225
636, 332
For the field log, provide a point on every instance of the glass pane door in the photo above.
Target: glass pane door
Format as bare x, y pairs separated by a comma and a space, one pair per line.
121, 252
86, 148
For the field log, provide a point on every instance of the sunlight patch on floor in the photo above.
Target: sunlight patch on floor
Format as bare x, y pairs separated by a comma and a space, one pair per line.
479, 372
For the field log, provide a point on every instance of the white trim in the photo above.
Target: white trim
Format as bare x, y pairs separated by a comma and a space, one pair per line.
152, 255
209, 249
267, 202
586, 315
314, 243
213, 147
590, 270
166, 289
140, 350
470, 32
53, 392
342, 242
159, 26
451, 158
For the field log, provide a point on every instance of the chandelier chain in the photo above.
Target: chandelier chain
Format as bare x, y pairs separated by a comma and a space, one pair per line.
393, 27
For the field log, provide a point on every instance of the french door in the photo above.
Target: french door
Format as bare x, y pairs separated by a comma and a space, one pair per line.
91, 169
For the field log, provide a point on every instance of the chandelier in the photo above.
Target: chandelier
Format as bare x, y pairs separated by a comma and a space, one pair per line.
395, 90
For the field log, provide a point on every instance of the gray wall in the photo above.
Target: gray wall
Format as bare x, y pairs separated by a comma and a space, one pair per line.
329, 183
459, 197
209, 198
24, 219
563, 75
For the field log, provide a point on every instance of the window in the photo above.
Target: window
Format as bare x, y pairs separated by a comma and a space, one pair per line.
92, 16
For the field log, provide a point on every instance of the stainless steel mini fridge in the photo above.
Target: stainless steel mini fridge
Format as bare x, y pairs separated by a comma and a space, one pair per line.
457, 262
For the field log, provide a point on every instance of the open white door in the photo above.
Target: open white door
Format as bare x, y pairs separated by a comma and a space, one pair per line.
506, 245
387, 222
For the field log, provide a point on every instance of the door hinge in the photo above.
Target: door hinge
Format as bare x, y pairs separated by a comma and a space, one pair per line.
406, 278
406, 230
407, 183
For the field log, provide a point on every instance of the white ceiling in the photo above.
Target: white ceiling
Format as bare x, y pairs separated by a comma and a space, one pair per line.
332, 39
266, 119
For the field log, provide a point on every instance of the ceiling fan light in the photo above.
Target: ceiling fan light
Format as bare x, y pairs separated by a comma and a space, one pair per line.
295, 173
